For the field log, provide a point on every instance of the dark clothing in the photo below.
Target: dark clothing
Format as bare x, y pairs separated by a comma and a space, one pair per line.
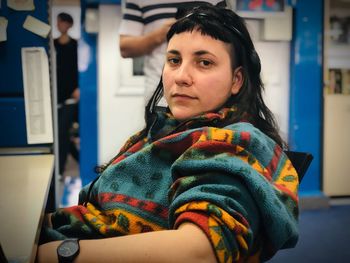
65, 120
67, 69
67, 82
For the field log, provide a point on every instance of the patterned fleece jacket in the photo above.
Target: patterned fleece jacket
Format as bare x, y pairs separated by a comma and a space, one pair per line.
234, 182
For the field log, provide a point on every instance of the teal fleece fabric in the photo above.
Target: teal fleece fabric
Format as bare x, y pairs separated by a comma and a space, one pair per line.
234, 182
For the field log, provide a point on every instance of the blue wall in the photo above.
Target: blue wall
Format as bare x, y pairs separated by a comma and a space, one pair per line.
305, 124
17, 37
88, 113
12, 115
88, 106
88, 100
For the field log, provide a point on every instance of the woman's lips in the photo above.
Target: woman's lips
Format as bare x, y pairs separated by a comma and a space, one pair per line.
183, 96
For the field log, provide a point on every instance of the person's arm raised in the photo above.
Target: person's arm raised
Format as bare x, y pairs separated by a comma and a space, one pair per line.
135, 46
186, 244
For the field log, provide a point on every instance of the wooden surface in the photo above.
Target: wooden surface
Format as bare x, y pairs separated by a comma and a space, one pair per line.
24, 186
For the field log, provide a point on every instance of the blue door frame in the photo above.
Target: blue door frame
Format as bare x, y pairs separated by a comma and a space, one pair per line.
306, 89
88, 107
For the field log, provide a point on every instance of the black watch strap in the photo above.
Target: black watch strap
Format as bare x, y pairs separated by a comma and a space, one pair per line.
68, 250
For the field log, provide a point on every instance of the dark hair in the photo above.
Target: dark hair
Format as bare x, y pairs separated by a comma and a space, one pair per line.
185, 7
66, 18
227, 26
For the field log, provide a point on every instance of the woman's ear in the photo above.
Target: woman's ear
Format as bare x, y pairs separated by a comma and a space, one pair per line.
237, 81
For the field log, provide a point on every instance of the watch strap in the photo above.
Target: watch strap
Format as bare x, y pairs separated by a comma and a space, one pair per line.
68, 259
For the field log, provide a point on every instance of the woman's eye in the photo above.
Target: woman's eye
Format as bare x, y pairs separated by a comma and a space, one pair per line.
205, 63
173, 61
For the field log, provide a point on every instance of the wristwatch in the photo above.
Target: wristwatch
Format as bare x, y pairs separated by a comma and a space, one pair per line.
68, 250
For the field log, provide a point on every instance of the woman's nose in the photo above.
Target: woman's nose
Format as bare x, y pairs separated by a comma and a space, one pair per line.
183, 75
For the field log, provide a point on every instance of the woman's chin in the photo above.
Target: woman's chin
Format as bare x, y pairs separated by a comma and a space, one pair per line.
184, 115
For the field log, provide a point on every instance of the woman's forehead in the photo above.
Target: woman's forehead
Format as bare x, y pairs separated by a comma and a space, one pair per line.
189, 39
189, 35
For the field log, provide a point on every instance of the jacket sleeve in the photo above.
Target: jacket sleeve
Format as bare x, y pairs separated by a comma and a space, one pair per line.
238, 186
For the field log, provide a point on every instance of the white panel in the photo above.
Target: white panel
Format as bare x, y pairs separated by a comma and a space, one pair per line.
37, 95
118, 116
275, 75
338, 56
275, 60
254, 28
278, 28
336, 165
91, 20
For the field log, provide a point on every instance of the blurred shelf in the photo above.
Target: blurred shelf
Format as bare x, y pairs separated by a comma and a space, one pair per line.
338, 56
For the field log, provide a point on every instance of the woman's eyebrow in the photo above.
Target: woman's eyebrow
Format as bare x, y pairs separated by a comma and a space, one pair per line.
196, 53
173, 51
203, 52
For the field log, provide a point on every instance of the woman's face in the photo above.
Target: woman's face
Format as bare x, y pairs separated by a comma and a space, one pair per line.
197, 75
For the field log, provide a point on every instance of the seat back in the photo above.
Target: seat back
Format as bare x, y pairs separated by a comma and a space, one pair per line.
301, 162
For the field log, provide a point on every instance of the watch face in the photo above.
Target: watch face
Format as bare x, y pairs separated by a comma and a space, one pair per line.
68, 248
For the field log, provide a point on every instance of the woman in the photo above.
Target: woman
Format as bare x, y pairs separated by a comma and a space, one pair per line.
207, 178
